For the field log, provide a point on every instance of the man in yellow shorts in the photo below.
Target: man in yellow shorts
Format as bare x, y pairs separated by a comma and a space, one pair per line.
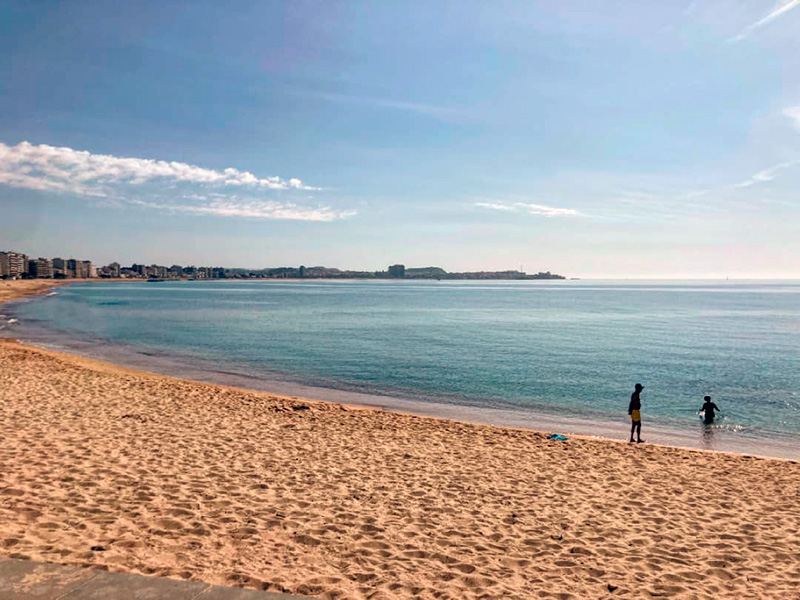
634, 409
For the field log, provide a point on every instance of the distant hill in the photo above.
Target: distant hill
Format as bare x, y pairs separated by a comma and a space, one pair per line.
514, 275
394, 272
426, 273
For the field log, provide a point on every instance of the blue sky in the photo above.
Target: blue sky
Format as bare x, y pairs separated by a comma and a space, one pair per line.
594, 139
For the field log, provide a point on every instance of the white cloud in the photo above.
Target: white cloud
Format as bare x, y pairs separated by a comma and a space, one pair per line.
548, 211
250, 209
118, 182
50, 168
766, 175
781, 10
530, 208
495, 206
793, 112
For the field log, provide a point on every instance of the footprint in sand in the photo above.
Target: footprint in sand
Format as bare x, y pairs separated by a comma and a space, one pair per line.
169, 524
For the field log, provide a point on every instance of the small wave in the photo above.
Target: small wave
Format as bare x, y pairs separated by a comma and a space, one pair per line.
51, 294
4, 325
736, 428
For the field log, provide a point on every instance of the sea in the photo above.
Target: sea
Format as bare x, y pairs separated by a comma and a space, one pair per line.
558, 356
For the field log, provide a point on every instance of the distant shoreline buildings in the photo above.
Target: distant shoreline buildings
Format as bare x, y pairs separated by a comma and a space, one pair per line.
15, 265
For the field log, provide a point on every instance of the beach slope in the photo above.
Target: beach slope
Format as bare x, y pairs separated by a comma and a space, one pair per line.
110, 467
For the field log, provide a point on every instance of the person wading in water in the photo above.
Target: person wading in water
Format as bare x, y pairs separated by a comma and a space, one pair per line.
708, 409
634, 409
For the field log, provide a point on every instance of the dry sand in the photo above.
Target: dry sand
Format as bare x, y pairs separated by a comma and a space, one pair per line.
11, 289
204, 482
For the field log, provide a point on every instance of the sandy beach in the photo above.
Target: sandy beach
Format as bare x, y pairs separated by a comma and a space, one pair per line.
113, 468
19, 288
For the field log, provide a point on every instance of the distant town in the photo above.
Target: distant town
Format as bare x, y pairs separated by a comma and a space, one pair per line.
15, 265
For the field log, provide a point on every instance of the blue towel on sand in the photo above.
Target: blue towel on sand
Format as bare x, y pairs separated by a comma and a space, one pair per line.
555, 436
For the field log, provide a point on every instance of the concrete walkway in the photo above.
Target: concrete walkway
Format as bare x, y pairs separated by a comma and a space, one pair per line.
26, 580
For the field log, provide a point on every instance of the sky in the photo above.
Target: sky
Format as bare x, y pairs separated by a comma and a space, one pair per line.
641, 139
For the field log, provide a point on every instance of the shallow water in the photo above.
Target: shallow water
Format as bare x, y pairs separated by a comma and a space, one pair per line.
565, 352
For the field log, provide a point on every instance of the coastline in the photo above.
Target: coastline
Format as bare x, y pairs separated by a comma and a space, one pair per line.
20, 288
200, 369
15, 289
206, 482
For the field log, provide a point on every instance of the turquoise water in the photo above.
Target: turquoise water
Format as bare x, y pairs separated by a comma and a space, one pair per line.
570, 349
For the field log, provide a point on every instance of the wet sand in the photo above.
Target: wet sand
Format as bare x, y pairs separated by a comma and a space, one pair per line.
211, 483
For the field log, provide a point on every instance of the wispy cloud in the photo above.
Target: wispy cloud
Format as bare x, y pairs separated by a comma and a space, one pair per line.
442, 113
766, 175
496, 206
793, 113
526, 207
690, 9
159, 185
249, 209
50, 168
778, 12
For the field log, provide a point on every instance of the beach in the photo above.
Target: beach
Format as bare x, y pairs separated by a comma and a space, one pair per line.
19, 288
13, 289
119, 469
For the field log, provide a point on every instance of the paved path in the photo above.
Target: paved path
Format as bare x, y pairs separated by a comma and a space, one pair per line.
26, 580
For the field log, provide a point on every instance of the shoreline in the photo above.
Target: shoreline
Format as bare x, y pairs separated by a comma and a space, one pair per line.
21, 288
200, 370
505, 419
197, 481
115, 468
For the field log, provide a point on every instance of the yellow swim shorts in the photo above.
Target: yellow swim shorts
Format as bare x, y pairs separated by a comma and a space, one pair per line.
635, 416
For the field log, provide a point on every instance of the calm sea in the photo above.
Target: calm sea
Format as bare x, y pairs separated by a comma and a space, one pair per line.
561, 354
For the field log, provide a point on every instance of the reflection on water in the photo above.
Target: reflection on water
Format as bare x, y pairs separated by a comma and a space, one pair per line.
707, 437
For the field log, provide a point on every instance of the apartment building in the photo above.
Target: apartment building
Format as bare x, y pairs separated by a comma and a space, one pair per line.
13, 264
41, 268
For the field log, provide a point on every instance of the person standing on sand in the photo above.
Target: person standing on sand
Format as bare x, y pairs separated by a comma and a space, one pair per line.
708, 409
634, 409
